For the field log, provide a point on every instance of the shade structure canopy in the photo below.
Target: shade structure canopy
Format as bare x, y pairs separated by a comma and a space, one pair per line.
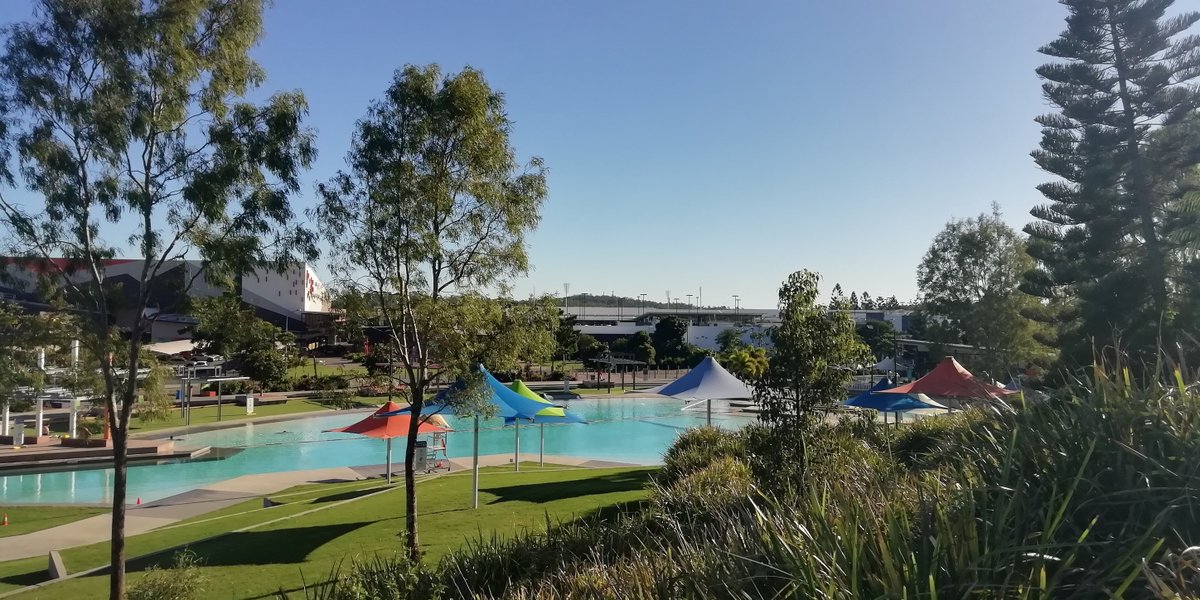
950, 380
509, 404
549, 414
708, 381
883, 398
383, 427
885, 365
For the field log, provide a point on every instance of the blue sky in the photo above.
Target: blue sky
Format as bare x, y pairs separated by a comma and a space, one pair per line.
711, 144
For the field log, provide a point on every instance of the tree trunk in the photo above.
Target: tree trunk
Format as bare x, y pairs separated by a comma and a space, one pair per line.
412, 541
116, 582
1156, 268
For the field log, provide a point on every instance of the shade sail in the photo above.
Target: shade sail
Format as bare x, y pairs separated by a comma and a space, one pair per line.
510, 404
708, 381
383, 427
549, 414
950, 380
887, 364
883, 398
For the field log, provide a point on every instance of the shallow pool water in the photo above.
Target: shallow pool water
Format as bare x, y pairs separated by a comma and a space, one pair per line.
636, 430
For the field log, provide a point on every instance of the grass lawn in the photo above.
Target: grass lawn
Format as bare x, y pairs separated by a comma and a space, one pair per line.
24, 519
348, 369
259, 563
207, 415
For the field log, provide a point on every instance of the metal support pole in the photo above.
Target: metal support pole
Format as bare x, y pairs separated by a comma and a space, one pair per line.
73, 420
542, 451
708, 412
41, 406
517, 444
389, 461
219, 410
4, 425
475, 468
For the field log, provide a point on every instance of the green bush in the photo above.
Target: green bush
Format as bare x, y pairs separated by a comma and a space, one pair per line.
182, 581
338, 399
392, 577
710, 492
321, 383
696, 449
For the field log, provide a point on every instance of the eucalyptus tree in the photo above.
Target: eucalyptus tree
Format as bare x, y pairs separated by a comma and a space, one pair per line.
969, 280
431, 212
128, 121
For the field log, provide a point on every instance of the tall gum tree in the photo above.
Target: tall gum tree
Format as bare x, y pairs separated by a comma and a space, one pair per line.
431, 212
126, 119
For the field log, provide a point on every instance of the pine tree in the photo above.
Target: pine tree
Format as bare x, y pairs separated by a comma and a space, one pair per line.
837, 299
1120, 84
866, 301
854, 305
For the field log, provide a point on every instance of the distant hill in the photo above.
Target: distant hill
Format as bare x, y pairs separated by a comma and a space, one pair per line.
609, 300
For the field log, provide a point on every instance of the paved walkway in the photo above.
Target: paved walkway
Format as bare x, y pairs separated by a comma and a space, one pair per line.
160, 513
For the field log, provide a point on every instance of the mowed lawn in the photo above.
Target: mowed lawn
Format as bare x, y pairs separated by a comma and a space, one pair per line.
349, 369
24, 519
207, 415
283, 555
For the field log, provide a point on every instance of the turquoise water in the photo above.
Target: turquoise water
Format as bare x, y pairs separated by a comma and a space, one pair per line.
636, 430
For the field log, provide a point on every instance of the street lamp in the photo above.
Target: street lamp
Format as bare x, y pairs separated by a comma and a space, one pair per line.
735, 307
690, 311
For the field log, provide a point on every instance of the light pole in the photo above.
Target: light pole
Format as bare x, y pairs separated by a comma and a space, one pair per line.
690, 311
735, 307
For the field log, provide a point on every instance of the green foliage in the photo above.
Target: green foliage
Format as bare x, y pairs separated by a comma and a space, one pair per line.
155, 403
184, 580
808, 345
230, 328
338, 399
969, 279
1123, 140
392, 577
730, 340
670, 338
1090, 493
132, 124
566, 338
588, 347
21, 335
694, 450
748, 364
879, 337
432, 210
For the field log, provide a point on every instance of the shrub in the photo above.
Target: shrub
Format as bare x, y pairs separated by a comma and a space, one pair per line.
696, 449
710, 492
392, 577
182, 581
338, 399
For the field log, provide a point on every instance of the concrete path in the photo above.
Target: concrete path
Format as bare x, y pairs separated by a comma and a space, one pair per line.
152, 515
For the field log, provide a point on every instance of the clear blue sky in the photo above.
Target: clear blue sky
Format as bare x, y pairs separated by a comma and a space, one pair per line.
716, 144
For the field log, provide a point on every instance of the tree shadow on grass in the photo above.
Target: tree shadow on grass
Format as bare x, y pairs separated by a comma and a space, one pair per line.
275, 547
541, 493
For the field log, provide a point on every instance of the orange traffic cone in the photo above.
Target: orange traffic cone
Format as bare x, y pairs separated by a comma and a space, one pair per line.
5, 523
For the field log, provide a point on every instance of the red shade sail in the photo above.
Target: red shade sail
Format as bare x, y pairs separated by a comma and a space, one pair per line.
387, 427
950, 380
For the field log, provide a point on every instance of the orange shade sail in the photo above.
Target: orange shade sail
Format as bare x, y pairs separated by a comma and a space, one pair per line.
950, 380
389, 427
